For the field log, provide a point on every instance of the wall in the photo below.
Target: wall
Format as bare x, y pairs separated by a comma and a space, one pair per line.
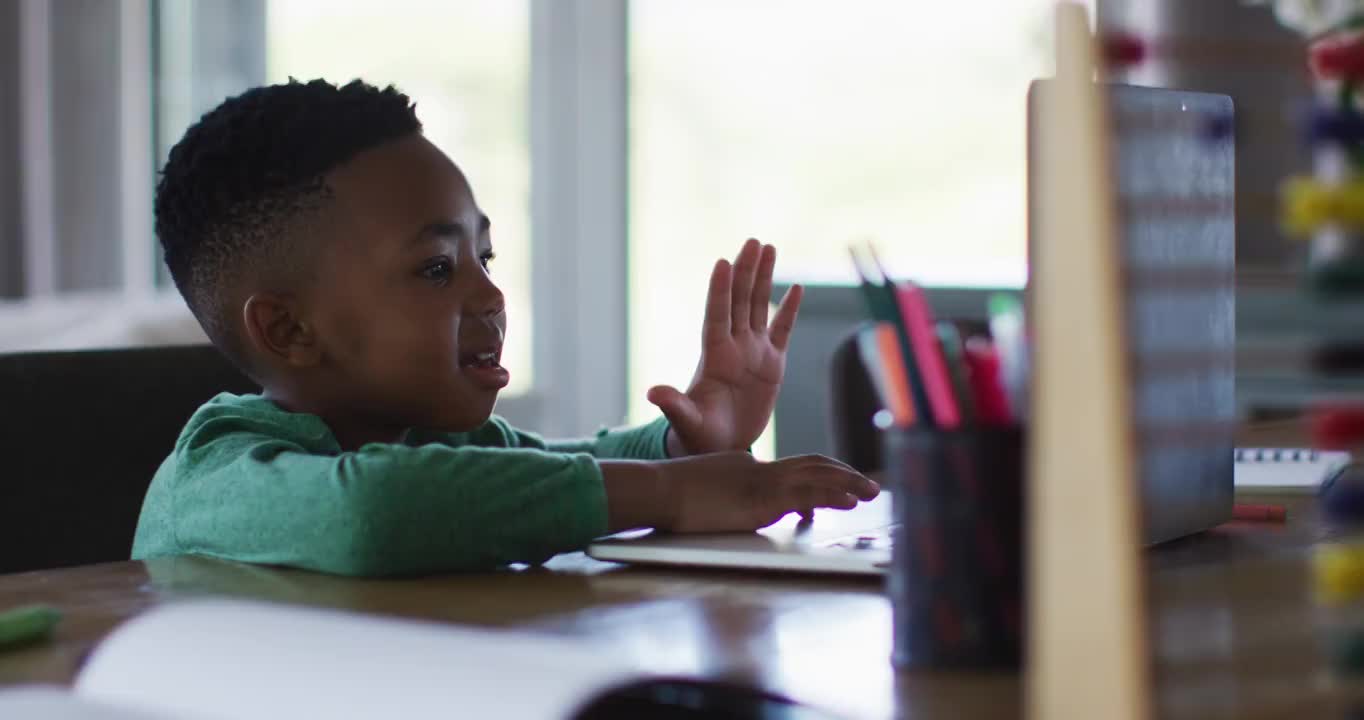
1232, 47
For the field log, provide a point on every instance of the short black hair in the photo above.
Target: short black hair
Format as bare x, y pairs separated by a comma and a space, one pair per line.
236, 187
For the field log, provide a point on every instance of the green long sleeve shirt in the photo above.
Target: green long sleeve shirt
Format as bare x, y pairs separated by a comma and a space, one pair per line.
251, 482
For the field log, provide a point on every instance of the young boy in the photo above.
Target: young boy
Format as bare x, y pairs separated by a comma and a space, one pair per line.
339, 258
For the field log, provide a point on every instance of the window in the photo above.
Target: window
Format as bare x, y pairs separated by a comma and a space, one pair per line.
466, 64
806, 123
809, 123
501, 85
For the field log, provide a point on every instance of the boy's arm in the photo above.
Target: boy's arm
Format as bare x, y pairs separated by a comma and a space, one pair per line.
385, 509
402, 510
645, 442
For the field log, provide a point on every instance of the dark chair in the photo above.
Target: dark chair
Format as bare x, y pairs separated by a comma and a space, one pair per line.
81, 435
853, 402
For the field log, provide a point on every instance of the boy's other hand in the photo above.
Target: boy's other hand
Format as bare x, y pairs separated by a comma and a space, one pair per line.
743, 358
728, 492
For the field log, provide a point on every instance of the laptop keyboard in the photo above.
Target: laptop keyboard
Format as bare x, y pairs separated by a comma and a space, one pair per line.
878, 539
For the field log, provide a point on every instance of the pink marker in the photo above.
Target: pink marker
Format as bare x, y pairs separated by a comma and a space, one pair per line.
982, 365
928, 354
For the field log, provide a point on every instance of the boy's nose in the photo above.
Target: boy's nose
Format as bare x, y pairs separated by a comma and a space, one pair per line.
490, 302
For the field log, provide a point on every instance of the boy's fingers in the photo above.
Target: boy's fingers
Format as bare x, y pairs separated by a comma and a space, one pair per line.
834, 499
801, 498
816, 459
839, 479
843, 501
785, 319
676, 406
715, 328
805, 498
741, 296
762, 289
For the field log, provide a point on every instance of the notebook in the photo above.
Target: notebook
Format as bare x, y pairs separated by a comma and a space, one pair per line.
1285, 469
230, 660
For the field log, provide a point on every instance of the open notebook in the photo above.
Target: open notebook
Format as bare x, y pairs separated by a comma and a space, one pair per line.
221, 660
1285, 469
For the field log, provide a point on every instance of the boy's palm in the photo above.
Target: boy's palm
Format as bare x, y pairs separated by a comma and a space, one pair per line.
743, 358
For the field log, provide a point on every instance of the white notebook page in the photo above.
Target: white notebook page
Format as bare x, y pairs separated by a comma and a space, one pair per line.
219, 660
1286, 467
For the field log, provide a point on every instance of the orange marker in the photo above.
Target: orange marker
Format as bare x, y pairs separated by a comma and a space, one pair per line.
896, 379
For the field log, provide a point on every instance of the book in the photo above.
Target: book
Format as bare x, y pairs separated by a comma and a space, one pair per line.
234, 660
1285, 469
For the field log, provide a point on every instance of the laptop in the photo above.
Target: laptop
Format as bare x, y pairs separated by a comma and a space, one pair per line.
842, 542
1175, 184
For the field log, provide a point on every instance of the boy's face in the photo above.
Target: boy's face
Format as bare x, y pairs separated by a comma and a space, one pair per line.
409, 323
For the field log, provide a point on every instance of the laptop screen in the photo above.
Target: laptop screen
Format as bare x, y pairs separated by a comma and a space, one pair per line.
1174, 165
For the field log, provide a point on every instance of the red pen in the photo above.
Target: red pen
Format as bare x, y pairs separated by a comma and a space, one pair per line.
982, 364
1246, 512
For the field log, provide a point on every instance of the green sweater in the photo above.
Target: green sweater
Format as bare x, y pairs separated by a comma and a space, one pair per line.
248, 481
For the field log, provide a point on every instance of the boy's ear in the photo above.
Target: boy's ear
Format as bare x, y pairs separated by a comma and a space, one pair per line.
276, 330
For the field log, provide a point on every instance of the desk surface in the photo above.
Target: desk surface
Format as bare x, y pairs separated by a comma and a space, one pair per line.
1234, 628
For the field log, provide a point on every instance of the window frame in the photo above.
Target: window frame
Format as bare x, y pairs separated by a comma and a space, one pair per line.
579, 190
577, 194
37, 244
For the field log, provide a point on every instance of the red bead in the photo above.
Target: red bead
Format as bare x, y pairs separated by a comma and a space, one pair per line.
1123, 49
1337, 428
1338, 55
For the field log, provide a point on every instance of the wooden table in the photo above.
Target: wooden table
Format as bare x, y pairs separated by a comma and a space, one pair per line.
1233, 623
1235, 631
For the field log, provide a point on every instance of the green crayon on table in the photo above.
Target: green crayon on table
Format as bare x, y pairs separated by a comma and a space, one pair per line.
27, 624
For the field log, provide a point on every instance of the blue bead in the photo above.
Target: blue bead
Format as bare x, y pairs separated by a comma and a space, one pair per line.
1218, 126
1342, 495
1327, 125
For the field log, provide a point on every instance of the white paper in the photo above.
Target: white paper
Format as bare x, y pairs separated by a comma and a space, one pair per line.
1286, 468
42, 702
221, 660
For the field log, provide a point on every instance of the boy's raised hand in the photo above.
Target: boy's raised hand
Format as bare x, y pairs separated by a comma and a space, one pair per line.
743, 358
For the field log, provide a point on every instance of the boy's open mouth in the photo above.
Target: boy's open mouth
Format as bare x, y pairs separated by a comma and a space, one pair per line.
484, 367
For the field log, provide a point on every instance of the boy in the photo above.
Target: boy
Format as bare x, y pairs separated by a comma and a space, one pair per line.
339, 258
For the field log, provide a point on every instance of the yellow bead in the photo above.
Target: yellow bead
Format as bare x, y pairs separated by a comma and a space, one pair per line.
1305, 205
1339, 573
1309, 204
1350, 205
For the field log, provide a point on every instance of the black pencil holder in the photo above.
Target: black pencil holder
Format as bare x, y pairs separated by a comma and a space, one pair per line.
958, 564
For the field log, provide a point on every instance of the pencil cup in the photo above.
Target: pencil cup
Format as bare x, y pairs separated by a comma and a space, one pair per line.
957, 567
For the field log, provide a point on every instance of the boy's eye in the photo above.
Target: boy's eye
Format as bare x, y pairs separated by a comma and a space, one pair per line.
487, 258
437, 271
